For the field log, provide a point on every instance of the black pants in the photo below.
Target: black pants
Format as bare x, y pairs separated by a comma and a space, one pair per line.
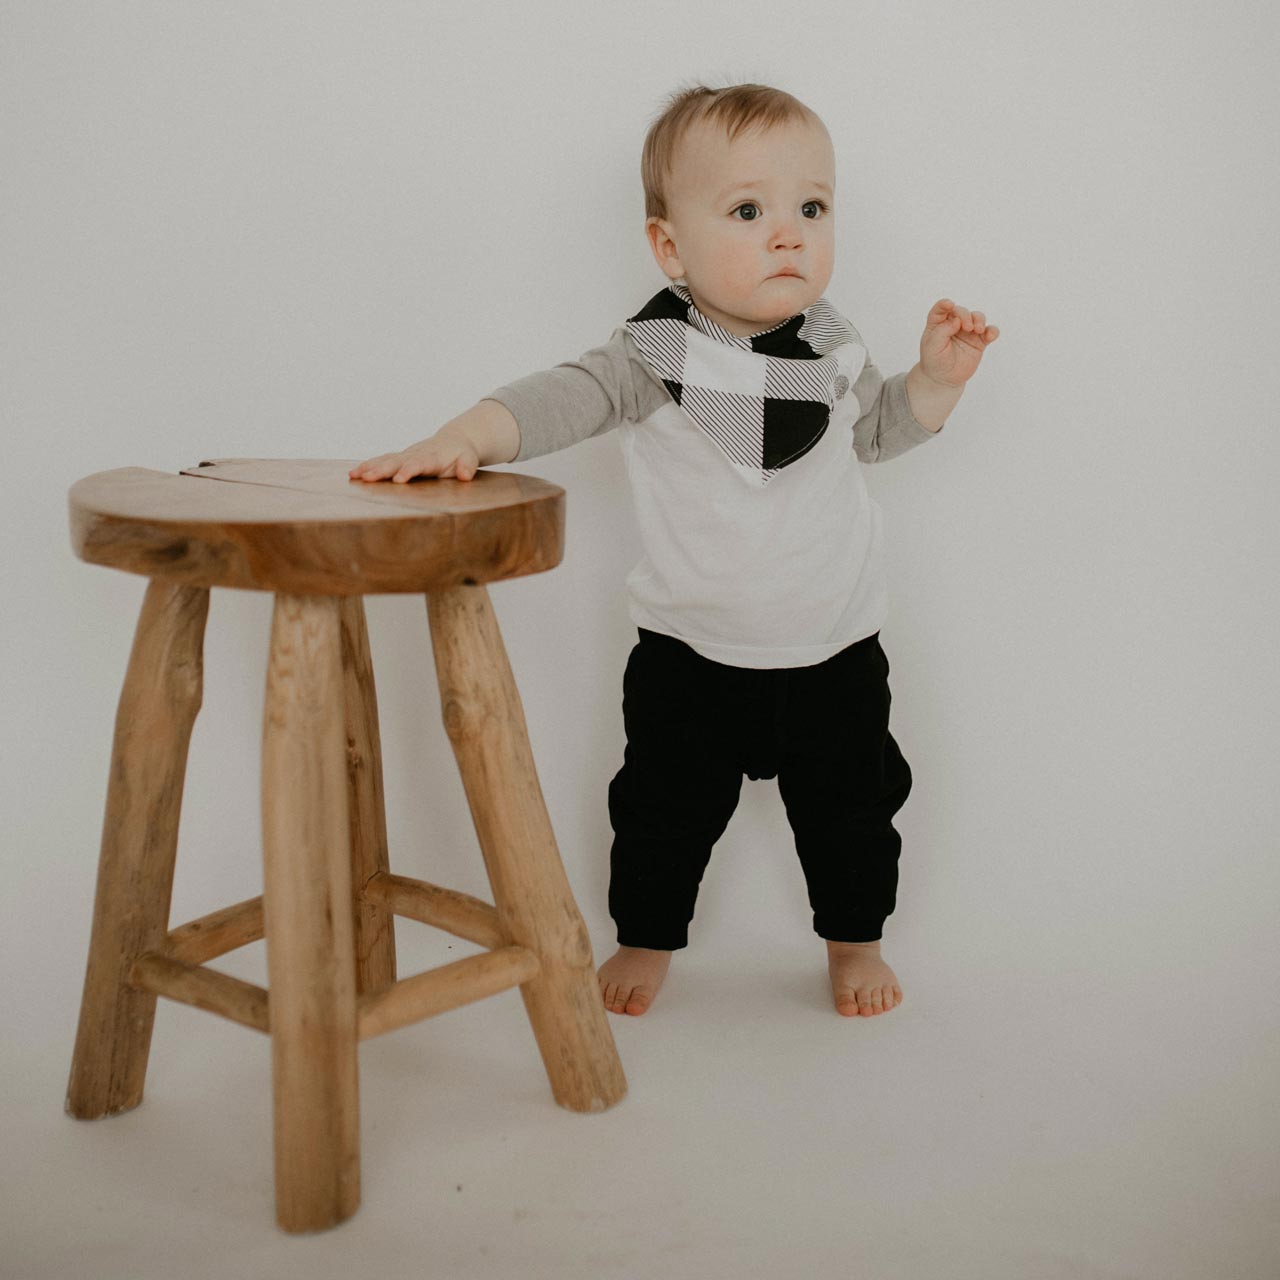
695, 726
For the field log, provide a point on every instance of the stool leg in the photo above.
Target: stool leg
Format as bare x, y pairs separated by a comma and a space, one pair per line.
375, 941
157, 708
307, 914
485, 721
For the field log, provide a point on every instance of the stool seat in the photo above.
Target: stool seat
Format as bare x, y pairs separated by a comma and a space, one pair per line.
320, 541
301, 525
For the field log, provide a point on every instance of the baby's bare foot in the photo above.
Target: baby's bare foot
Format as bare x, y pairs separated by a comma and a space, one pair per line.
861, 982
632, 978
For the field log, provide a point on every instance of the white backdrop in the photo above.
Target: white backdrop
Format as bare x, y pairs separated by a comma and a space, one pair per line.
322, 230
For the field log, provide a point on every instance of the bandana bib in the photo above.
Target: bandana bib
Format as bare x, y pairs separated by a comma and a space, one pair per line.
764, 400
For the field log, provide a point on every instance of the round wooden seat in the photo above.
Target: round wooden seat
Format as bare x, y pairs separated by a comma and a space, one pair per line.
300, 525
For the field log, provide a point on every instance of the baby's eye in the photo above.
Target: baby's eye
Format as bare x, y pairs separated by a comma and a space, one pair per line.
748, 205
817, 204
820, 205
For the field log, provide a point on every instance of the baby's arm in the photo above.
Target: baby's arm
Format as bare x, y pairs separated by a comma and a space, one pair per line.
950, 351
539, 413
485, 433
887, 426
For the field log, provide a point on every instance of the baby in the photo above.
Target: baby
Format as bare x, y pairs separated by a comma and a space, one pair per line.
745, 404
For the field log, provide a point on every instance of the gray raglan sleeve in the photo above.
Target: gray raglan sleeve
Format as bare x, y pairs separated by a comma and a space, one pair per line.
887, 426
581, 398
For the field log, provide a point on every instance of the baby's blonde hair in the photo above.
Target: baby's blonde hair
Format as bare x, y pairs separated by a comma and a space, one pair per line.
735, 107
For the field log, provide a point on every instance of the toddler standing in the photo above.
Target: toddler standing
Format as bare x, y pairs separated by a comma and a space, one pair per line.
745, 404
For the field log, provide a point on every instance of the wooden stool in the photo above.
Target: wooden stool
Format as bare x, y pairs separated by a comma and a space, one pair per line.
319, 541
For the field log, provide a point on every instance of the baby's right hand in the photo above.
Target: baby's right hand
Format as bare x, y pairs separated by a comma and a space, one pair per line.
445, 454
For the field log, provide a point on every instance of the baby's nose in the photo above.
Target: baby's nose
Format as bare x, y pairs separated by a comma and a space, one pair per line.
788, 236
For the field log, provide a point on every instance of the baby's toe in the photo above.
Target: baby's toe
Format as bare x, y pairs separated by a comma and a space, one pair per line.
638, 1001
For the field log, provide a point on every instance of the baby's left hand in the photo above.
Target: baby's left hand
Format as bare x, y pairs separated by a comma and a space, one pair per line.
953, 342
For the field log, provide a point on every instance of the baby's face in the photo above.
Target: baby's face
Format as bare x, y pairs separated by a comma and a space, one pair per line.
742, 211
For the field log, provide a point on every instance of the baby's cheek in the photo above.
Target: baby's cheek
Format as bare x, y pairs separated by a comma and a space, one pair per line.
743, 276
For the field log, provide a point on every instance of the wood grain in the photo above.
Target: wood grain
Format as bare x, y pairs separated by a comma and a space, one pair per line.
375, 945
484, 719
307, 911
217, 933
205, 988
157, 708
299, 526
445, 987
457, 913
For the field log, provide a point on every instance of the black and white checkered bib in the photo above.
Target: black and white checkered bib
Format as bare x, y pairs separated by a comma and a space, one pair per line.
765, 400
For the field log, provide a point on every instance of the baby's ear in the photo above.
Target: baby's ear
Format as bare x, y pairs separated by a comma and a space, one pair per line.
661, 242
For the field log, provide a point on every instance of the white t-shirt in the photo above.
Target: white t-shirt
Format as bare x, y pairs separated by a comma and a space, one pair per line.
781, 576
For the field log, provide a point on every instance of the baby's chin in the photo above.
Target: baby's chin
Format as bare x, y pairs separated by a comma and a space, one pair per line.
769, 305
780, 304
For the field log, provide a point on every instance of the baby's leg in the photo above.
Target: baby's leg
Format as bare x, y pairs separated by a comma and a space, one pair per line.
842, 779
668, 804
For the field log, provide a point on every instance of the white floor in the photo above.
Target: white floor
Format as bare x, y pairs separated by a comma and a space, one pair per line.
996, 1126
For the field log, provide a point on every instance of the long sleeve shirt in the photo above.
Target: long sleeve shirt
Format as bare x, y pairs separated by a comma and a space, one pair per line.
781, 576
